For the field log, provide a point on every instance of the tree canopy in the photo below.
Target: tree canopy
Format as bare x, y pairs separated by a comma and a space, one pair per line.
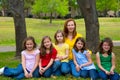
51, 6
106, 5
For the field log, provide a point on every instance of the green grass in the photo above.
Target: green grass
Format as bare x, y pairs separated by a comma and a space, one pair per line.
7, 59
109, 27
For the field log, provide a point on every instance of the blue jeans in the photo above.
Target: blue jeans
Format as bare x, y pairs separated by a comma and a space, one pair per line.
71, 64
74, 72
60, 68
92, 73
18, 72
56, 68
65, 69
83, 73
104, 76
52, 69
73, 69
47, 73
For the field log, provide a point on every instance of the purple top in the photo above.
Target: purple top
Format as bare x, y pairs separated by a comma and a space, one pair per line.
30, 58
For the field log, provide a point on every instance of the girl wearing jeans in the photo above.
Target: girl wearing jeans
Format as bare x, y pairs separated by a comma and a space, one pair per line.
29, 65
62, 55
47, 56
83, 65
106, 60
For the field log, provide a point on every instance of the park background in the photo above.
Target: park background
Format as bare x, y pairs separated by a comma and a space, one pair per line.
38, 25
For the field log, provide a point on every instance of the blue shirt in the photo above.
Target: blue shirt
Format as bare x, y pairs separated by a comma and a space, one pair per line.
82, 59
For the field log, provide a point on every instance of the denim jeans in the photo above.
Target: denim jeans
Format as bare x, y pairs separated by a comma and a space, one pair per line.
92, 73
47, 73
73, 69
104, 76
51, 69
60, 68
74, 72
18, 72
83, 73
56, 68
65, 69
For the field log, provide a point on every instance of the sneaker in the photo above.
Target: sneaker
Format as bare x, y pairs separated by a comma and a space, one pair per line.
2, 70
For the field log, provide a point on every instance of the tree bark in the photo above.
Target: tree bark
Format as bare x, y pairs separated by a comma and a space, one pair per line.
51, 18
17, 8
3, 12
88, 9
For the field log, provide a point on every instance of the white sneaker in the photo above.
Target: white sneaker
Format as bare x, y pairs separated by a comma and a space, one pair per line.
2, 70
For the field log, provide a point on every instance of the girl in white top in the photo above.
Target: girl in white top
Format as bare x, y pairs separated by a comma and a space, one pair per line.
29, 65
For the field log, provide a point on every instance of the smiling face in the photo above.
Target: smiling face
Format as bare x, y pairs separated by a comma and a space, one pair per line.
47, 43
106, 46
79, 45
71, 26
29, 45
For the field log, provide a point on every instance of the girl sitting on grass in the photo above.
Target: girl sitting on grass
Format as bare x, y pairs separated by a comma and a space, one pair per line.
83, 65
106, 60
47, 56
29, 65
62, 55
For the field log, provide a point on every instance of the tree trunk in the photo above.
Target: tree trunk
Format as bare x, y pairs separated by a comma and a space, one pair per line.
17, 8
3, 12
50, 17
88, 9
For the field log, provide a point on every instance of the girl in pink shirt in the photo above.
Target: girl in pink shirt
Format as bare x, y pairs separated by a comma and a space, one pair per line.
29, 65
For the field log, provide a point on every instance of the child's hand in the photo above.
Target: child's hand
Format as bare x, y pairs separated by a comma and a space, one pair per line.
77, 68
41, 71
60, 57
30, 75
26, 74
107, 72
111, 72
56, 59
80, 66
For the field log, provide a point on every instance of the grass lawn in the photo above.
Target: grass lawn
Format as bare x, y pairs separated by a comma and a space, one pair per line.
109, 27
7, 59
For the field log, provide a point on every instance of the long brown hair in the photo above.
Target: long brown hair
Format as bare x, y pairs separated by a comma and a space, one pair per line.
84, 44
59, 31
109, 41
43, 48
66, 29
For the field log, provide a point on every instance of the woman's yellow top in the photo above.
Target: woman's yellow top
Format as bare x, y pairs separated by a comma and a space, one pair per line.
71, 44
